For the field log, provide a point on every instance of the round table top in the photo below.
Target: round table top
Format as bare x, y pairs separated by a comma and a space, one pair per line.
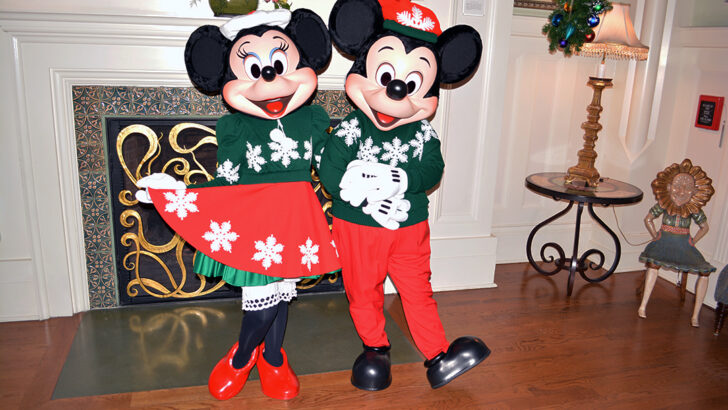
608, 192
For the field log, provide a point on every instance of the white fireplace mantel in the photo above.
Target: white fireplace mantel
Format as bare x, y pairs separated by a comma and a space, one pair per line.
47, 47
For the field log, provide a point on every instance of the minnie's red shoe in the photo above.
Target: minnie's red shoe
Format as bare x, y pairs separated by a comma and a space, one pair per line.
277, 382
226, 381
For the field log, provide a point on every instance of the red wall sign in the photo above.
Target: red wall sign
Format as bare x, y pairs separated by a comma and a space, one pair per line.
710, 109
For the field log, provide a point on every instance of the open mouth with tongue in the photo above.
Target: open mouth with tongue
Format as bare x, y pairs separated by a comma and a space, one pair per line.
274, 107
384, 120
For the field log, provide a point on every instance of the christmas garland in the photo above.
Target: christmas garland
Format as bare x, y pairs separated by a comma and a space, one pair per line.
280, 4
570, 24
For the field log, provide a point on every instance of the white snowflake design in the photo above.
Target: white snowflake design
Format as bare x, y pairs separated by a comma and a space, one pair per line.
226, 170
415, 19
428, 131
395, 152
418, 143
317, 158
269, 252
255, 160
308, 148
350, 131
368, 151
284, 149
422, 137
181, 202
309, 250
220, 236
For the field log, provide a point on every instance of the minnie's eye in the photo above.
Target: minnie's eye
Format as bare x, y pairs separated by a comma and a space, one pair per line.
252, 66
279, 60
385, 74
414, 82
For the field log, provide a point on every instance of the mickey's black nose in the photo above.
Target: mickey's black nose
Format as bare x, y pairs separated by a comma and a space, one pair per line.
396, 90
269, 73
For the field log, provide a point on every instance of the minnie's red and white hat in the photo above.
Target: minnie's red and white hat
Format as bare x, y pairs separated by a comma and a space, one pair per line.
410, 19
279, 18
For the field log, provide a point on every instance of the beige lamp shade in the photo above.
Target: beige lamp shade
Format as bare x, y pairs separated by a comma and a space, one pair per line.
615, 37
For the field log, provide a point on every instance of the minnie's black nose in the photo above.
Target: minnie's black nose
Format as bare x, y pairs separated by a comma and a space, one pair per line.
269, 73
396, 90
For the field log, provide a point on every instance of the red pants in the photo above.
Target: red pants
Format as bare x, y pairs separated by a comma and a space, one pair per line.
367, 254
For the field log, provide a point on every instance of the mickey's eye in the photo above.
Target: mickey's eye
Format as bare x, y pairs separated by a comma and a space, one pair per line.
385, 74
279, 60
252, 66
414, 82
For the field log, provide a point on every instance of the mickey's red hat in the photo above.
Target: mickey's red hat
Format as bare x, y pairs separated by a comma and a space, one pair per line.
410, 19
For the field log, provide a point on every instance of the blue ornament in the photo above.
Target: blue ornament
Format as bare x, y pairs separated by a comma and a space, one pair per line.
563, 43
593, 20
556, 19
569, 31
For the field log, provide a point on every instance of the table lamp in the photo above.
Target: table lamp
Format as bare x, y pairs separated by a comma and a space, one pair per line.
614, 39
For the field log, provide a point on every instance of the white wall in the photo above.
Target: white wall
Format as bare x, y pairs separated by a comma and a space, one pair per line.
47, 47
704, 13
648, 122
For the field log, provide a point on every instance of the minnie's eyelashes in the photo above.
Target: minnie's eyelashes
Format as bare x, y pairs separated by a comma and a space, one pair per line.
242, 53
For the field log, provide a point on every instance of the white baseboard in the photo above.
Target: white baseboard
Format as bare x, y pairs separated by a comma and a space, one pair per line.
460, 263
512, 241
19, 298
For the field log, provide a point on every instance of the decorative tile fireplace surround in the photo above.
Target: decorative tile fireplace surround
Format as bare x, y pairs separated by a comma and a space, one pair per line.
91, 105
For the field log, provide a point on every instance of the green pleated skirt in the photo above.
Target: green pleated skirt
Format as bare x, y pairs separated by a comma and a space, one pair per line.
206, 266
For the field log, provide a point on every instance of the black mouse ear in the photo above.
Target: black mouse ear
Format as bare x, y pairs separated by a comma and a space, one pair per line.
460, 49
353, 22
205, 55
309, 33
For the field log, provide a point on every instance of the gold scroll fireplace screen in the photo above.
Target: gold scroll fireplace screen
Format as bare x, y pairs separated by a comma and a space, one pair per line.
153, 263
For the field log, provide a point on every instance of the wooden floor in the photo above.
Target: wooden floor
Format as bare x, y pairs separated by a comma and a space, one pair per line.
589, 351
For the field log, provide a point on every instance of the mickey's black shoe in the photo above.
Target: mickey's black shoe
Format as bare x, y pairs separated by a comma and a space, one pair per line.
463, 354
372, 369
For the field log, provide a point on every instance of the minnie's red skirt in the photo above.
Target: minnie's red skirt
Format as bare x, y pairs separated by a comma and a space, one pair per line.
275, 229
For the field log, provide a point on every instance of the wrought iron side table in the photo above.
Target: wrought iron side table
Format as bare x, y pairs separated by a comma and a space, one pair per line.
608, 192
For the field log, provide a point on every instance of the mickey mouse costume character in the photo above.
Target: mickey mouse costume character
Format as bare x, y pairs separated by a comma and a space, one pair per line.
379, 164
258, 224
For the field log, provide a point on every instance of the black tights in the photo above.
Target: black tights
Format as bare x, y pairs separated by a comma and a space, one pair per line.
258, 325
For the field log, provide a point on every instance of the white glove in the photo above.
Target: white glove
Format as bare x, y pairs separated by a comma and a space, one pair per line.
156, 181
371, 181
389, 212
354, 187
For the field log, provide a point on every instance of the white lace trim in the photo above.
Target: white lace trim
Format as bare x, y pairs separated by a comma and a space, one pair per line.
263, 297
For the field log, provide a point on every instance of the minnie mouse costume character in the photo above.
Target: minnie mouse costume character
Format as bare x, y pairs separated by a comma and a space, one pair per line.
379, 164
258, 224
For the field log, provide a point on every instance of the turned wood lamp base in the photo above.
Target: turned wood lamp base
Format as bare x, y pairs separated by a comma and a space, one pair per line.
584, 174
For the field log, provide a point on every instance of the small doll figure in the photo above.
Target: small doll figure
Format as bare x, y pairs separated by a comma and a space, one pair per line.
258, 224
379, 164
681, 191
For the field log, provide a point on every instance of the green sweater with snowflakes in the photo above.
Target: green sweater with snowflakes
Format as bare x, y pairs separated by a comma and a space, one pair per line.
412, 147
253, 150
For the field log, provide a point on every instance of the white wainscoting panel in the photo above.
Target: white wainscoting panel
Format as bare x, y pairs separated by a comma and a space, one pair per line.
18, 291
543, 111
